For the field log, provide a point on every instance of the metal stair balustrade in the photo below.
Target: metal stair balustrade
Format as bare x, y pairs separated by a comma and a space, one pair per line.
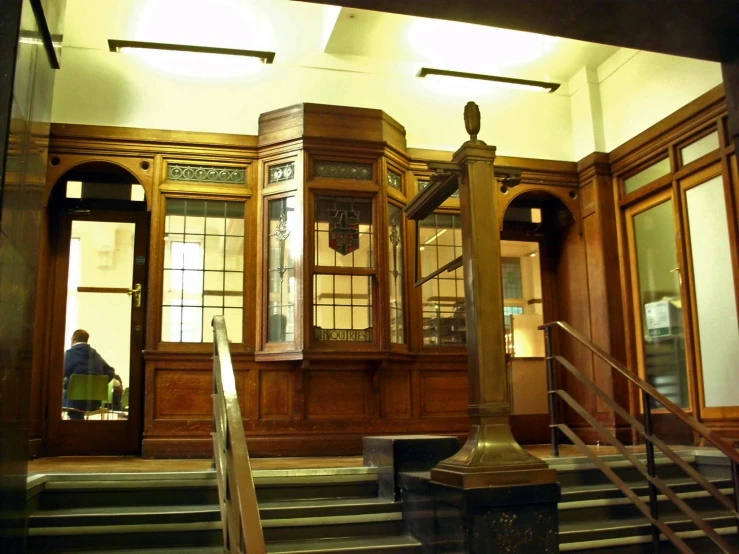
242, 526
648, 392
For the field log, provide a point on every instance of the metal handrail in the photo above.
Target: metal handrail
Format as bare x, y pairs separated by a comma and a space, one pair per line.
645, 431
242, 526
693, 423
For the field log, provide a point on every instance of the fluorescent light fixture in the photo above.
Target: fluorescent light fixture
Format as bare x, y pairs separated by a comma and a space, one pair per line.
120, 45
436, 236
541, 86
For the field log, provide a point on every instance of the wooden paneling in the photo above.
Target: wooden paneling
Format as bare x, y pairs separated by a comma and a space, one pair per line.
275, 394
327, 403
187, 394
573, 307
336, 394
529, 376
395, 391
601, 318
444, 393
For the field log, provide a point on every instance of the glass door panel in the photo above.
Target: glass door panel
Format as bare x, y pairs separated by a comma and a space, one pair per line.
101, 264
714, 292
658, 302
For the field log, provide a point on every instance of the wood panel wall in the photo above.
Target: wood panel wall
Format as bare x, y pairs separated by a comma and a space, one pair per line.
325, 406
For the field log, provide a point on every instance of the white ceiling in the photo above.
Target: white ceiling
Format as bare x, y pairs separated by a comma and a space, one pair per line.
328, 37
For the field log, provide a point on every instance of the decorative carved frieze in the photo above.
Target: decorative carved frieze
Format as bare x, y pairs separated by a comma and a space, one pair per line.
281, 172
344, 170
206, 174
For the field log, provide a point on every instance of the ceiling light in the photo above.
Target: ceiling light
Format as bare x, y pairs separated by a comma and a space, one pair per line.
540, 86
436, 236
122, 45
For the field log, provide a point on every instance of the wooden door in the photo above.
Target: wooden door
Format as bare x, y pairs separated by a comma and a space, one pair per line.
661, 305
712, 278
99, 286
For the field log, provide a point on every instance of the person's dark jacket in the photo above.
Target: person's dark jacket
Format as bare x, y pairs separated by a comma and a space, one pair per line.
82, 358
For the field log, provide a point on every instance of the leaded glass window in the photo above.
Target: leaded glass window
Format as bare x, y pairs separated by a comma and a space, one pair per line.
281, 271
395, 244
203, 269
344, 269
342, 307
444, 318
512, 285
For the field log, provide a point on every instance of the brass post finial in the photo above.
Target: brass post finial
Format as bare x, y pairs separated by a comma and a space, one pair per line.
472, 120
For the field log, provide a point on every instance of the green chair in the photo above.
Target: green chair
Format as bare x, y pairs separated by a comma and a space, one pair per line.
89, 388
124, 400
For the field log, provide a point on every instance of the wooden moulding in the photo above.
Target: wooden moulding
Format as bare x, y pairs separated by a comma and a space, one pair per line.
330, 122
442, 186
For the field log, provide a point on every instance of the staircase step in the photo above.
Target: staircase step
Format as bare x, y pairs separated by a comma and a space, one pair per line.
122, 516
345, 526
401, 544
615, 508
94, 537
176, 550
613, 529
577, 472
285, 509
99, 490
642, 544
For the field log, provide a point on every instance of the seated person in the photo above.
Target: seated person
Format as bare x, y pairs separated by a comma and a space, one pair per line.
117, 392
82, 358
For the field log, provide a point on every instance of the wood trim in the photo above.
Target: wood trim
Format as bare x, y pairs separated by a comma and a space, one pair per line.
103, 290
157, 138
685, 185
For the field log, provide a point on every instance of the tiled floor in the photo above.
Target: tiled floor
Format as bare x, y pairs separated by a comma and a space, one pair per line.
116, 464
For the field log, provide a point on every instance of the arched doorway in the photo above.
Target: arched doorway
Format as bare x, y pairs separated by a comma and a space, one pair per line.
98, 242
536, 226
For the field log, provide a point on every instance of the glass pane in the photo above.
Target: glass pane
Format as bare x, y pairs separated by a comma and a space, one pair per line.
522, 311
699, 148
214, 252
234, 324
203, 267
660, 303
342, 308
343, 232
281, 271
646, 176
395, 257
512, 285
715, 295
98, 317
440, 239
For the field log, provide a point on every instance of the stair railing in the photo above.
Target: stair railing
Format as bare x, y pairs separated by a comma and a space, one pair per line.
645, 430
242, 526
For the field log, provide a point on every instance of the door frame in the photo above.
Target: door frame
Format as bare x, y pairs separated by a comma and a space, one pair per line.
93, 437
668, 194
683, 186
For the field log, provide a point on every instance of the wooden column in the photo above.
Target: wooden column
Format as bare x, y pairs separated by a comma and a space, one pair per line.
491, 455
730, 72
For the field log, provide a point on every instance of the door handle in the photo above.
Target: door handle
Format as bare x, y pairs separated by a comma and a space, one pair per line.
136, 292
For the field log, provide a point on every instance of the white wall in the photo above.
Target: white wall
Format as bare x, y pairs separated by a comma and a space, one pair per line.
638, 89
97, 87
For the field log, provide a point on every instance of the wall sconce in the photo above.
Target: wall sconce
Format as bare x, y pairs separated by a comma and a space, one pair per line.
119, 45
540, 86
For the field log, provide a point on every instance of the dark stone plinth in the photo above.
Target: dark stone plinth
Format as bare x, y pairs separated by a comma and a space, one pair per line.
393, 454
507, 520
